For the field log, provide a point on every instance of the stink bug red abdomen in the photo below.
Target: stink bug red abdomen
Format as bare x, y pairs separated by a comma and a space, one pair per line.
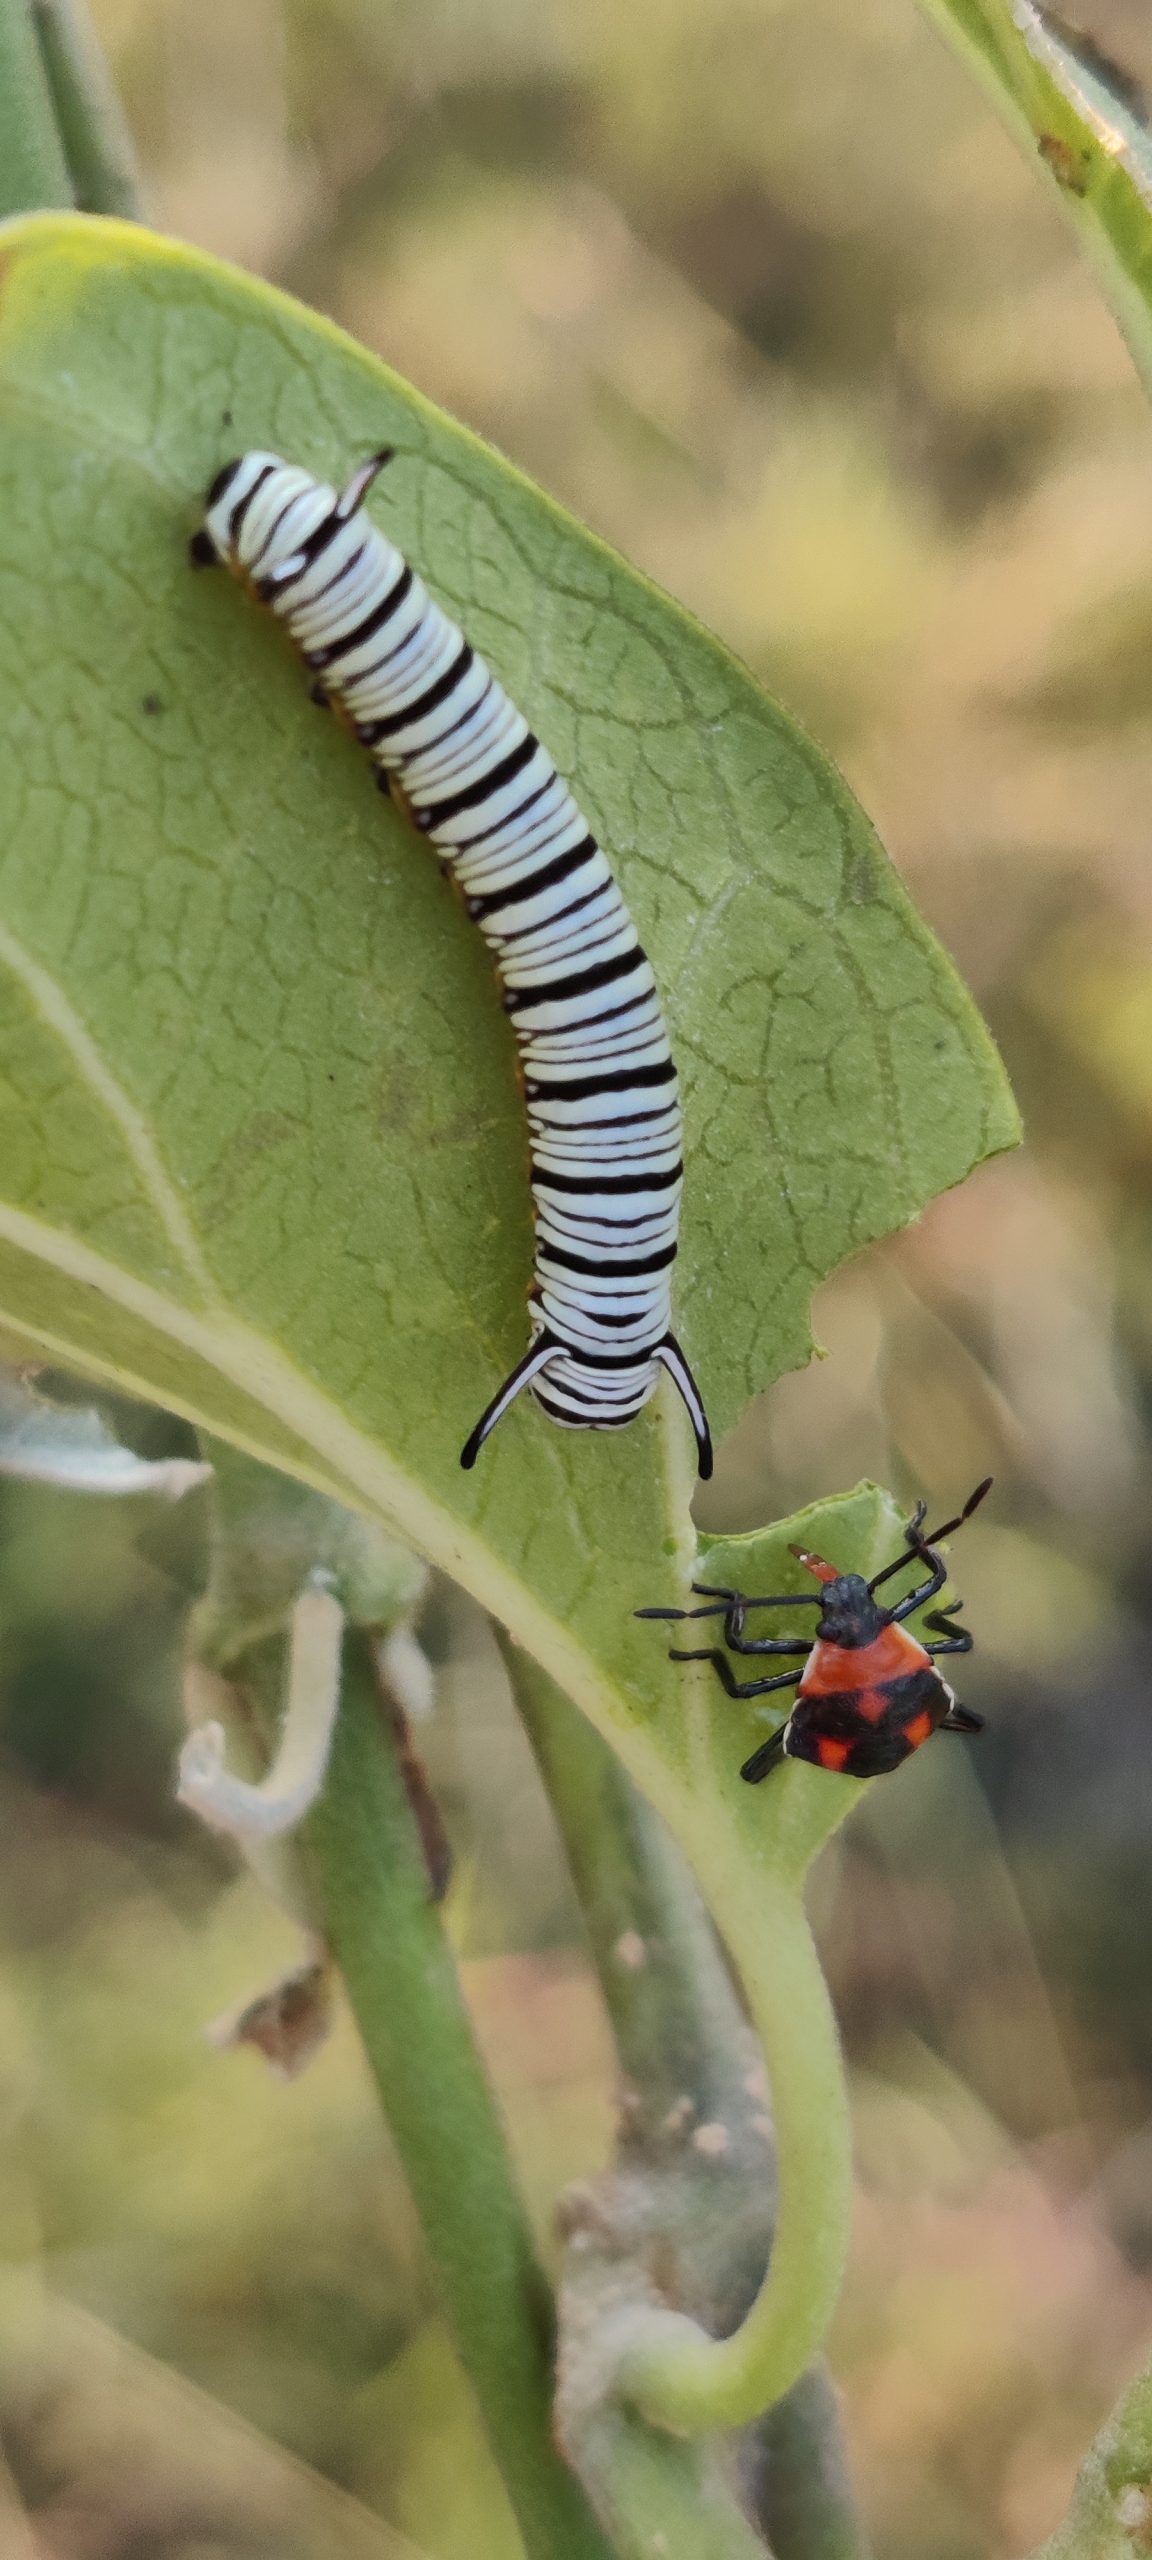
868, 1692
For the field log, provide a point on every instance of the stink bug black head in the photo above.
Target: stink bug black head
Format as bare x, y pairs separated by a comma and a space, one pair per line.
849, 1616
867, 1693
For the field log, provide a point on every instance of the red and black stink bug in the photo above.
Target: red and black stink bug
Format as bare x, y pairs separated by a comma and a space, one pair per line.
869, 1692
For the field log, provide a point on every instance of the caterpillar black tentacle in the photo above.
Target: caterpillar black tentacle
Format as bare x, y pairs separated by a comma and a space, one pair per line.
599, 1080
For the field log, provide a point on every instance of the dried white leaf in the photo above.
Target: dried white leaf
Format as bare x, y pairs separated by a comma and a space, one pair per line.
262, 1810
406, 1671
71, 1447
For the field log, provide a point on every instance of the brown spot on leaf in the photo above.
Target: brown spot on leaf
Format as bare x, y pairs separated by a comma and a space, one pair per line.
1069, 162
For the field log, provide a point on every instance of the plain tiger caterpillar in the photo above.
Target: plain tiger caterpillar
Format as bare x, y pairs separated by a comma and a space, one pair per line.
599, 1081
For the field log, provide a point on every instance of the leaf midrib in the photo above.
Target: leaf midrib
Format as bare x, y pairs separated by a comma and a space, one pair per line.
159, 1187
250, 1361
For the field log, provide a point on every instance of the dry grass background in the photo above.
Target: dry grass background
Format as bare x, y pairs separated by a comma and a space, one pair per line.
760, 289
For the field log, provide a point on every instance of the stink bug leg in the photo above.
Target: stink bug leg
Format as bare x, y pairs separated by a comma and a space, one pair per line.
764, 1760
727, 1677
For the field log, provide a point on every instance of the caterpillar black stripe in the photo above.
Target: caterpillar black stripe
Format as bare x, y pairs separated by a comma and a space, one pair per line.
599, 1082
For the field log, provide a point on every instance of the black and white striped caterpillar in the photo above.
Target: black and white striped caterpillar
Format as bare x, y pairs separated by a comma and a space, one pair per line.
599, 1081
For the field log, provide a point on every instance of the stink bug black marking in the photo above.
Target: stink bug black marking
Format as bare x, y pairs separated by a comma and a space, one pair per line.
868, 1693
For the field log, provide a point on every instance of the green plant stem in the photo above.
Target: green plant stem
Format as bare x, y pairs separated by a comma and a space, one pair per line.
685, 2055
1110, 2517
33, 168
402, 1985
657, 2495
678, 2026
751, 1862
89, 117
687, 2059
666, 2366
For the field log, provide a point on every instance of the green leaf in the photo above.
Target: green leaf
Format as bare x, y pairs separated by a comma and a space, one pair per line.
263, 1152
1081, 118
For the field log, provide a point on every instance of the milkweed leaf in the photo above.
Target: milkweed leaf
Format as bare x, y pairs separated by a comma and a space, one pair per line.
263, 1157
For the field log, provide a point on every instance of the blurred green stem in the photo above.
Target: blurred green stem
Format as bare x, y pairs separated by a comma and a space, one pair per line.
1110, 2517
799, 2475
33, 168
402, 1984
688, 2062
89, 117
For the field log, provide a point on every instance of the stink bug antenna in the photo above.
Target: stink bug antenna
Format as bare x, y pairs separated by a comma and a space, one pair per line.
947, 1526
921, 1543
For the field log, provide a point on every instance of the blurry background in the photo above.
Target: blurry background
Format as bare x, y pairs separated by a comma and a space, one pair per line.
759, 288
